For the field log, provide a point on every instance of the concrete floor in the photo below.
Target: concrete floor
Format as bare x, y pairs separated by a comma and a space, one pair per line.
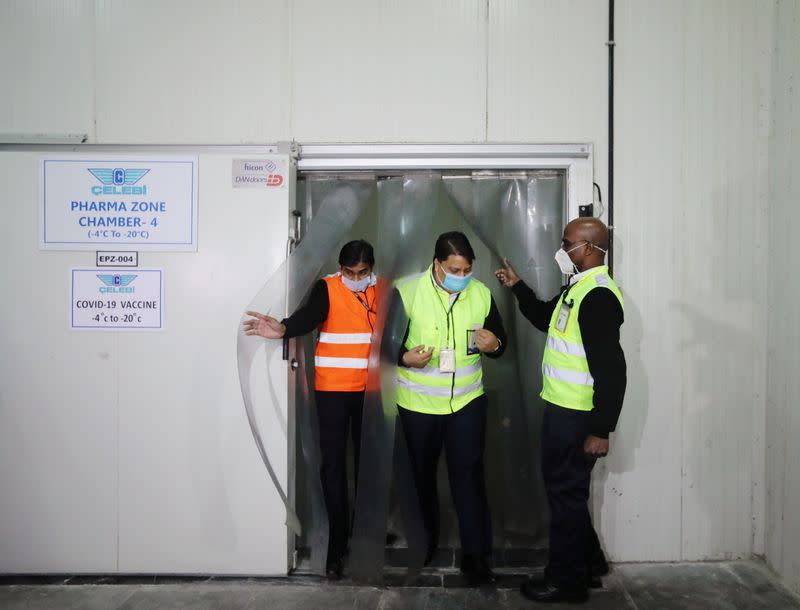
739, 585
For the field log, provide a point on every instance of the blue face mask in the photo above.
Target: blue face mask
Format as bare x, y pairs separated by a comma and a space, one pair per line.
455, 283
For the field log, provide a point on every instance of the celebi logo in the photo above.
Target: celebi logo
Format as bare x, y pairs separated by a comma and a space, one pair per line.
118, 181
116, 283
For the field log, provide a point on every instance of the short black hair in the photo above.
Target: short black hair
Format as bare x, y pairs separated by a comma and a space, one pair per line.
453, 242
357, 251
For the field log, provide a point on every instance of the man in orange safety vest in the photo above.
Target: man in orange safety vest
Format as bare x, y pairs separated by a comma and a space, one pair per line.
343, 308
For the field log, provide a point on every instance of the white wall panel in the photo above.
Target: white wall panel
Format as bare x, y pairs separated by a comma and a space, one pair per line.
723, 304
58, 403
131, 452
640, 506
210, 72
783, 418
194, 495
47, 66
383, 70
547, 76
690, 211
547, 71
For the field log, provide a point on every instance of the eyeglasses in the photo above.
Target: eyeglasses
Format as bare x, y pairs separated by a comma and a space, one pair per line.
567, 245
571, 245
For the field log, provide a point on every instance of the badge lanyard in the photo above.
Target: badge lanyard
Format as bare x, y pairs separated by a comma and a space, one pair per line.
365, 304
447, 354
564, 312
448, 314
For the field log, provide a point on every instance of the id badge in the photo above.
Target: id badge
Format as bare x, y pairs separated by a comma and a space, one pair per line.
563, 317
472, 347
447, 360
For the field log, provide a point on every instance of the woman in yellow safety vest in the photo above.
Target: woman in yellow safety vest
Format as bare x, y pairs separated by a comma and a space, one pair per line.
453, 321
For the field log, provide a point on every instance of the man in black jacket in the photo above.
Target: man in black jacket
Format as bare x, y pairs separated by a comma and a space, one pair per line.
584, 378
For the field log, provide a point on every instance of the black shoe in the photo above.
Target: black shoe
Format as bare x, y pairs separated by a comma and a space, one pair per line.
535, 581
547, 593
333, 569
594, 583
429, 554
476, 570
599, 566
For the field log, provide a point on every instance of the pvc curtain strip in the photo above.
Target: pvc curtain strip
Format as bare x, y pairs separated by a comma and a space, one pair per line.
403, 242
521, 218
341, 206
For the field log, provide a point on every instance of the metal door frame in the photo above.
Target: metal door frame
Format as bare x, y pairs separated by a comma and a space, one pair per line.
575, 159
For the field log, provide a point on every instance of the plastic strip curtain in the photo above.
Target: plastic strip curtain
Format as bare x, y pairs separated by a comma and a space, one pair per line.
311, 194
404, 240
315, 517
342, 204
518, 216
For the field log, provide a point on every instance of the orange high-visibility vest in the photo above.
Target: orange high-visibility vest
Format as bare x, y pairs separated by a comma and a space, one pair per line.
344, 338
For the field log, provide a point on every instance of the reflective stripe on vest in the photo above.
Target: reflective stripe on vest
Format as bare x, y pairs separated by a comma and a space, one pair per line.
341, 363
567, 375
559, 345
343, 347
345, 338
566, 380
428, 390
464, 371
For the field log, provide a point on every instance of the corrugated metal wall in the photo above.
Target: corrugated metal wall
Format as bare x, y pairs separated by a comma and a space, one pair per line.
686, 478
783, 417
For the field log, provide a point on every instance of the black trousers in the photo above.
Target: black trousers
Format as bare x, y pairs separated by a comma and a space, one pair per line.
567, 472
463, 435
338, 413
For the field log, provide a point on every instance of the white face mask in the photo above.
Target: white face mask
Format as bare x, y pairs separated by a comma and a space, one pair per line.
358, 285
565, 262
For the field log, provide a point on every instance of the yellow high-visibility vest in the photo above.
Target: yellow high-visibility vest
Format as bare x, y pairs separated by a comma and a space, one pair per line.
567, 381
428, 390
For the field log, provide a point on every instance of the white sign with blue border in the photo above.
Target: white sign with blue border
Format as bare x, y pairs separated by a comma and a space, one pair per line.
117, 299
87, 203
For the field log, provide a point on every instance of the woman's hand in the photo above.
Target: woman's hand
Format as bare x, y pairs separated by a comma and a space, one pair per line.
418, 357
486, 340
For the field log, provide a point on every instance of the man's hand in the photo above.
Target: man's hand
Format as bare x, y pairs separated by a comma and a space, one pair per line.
263, 326
595, 447
507, 275
486, 340
418, 357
